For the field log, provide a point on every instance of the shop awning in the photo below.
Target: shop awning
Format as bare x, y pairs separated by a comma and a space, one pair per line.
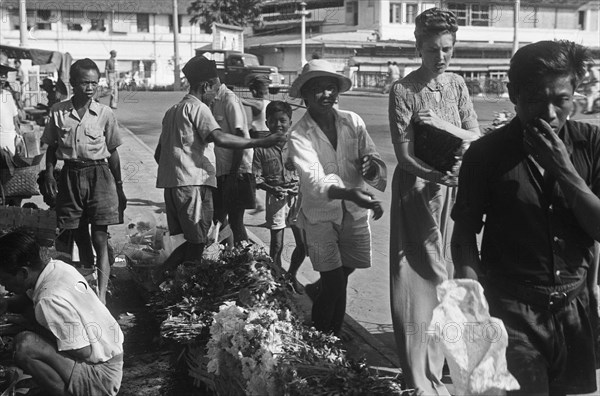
47, 60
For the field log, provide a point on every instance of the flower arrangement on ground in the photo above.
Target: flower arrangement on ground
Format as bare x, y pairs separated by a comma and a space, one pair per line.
245, 335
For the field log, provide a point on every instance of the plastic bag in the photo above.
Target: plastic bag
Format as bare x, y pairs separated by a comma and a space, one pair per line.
473, 342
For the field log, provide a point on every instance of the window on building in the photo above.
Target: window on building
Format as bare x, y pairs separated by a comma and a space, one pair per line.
412, 10
179, 19
395, 12
581, 20
44, 19
460, 10
143, 23
480, 15
16, 18
97, 22
73, 19
352, 13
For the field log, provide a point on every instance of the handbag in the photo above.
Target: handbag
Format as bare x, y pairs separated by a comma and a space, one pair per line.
436, 147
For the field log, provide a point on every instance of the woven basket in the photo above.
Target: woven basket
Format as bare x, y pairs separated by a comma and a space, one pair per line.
22, 183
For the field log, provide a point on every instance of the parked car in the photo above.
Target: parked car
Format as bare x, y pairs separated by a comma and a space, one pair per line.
235, 67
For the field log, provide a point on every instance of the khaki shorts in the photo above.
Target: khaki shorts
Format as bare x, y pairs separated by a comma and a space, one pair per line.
331, 246
281, 213
97, 379
189, 211
86, 193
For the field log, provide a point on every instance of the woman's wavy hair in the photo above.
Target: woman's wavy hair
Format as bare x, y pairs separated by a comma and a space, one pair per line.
435, 21
557, 58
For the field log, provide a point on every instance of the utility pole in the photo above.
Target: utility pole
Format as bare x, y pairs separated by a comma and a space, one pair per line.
177, 84
23, 23
516, 27
303, 34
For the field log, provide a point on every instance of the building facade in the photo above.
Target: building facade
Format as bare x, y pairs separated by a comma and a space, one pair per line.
360, 36
140, 31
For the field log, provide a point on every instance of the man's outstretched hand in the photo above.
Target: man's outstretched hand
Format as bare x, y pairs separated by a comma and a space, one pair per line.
366, 200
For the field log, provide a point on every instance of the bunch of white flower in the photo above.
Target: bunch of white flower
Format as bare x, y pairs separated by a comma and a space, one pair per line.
250, 341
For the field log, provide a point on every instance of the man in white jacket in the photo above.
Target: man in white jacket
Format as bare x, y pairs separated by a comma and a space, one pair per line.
334, 156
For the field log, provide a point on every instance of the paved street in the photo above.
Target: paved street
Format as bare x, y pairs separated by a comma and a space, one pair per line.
368, 299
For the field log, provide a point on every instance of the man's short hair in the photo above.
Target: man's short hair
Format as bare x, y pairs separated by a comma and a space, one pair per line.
534, 61
278, 105
82, 64
194, 85
19, 249
257, 81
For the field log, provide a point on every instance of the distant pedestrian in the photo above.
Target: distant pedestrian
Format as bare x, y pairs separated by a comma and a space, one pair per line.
236, 186
21, 83
334, 156
388, 77
591, 87
422, 196
85, 135
258, 84
9, 115
112, 78
275, 173
395, 72
186, 159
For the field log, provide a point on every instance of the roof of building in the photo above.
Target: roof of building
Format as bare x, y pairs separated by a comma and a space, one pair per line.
121, 6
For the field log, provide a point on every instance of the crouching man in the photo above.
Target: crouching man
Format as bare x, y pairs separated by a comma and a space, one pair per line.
75, 346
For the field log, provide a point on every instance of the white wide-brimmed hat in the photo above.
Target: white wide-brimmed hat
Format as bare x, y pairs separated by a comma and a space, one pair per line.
318, 68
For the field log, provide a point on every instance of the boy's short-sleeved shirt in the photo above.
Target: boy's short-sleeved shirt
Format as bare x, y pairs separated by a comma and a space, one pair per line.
187, 158
92, 137
66, 305
272, 165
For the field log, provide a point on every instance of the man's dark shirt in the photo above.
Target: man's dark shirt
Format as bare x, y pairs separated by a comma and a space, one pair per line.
530, 234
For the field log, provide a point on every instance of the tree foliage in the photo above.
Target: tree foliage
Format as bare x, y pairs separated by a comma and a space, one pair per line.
229, 12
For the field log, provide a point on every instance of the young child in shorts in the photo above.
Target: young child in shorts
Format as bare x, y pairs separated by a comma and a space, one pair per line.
277, 176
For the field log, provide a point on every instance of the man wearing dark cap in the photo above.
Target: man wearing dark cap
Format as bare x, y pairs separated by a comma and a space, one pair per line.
186, 158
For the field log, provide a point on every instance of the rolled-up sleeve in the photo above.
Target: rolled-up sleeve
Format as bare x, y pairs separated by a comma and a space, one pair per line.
400, 113
313, 179
112, 131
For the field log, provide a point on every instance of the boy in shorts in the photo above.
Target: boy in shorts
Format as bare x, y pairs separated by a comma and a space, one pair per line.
85, 135
277, 176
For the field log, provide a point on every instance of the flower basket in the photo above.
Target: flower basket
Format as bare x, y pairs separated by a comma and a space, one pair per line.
224, 384
22, 183
41, 222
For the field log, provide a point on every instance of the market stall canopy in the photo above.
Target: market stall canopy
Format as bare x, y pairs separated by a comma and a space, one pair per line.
47, 60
